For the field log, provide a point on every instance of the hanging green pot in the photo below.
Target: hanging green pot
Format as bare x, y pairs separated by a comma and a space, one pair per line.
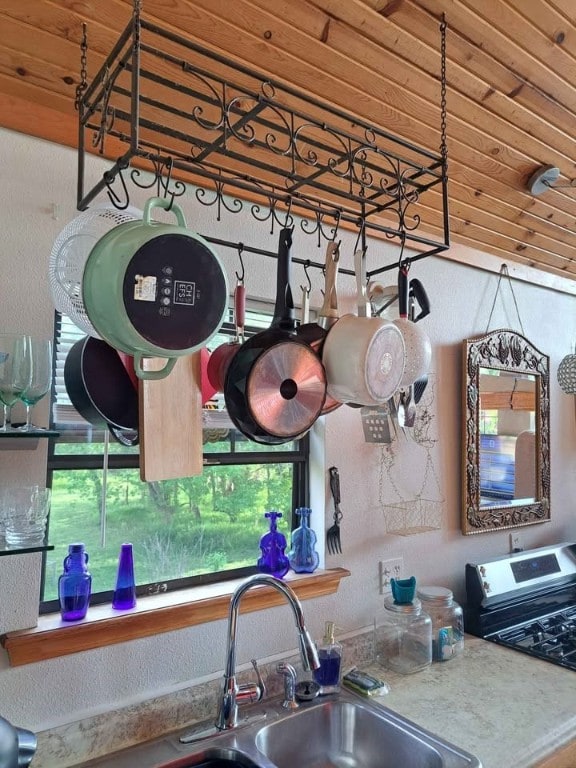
154, 289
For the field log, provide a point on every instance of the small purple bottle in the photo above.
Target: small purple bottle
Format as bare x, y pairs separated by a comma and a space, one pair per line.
125, 590
273, 544
75, 584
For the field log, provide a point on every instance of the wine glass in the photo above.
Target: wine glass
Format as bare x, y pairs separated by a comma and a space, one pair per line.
41, 379
15, 372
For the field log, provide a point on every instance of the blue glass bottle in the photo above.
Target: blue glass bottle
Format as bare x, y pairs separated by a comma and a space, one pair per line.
302, 555
75, 584
125, 590
273, 545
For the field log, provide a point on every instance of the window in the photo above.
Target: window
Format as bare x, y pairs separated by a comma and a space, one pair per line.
186, 531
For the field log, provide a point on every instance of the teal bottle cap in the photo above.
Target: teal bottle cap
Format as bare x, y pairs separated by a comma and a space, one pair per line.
403, 590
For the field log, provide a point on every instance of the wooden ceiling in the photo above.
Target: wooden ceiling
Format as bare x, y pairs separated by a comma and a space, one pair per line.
511, 96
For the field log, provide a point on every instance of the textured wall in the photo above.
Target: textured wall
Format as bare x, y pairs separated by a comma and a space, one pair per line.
37, 199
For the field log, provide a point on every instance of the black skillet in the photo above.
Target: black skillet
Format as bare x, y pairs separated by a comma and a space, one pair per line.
275, 385
101, 389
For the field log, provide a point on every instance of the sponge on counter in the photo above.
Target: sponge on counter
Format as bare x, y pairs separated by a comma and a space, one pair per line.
365, 684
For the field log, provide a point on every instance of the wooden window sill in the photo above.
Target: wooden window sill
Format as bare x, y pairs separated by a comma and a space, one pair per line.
154, 615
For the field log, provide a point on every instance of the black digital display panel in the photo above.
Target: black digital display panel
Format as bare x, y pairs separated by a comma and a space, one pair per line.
531, 568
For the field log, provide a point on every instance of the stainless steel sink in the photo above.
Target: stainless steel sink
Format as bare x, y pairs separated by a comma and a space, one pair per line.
219, 758
344, 731
345, 735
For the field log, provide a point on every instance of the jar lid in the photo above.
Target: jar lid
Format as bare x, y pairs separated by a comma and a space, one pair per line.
439, 595
414, 607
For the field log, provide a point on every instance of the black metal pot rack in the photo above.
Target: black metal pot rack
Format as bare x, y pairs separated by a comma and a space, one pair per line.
240, 139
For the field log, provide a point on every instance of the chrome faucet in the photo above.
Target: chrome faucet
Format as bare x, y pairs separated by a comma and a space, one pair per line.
233, 695
289, 676
17, 746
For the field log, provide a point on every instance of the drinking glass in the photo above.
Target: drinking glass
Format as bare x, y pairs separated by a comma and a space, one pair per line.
15, 372
26, 514
41, 379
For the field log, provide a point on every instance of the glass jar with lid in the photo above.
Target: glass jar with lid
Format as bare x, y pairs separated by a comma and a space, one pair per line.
447, 622
403, 639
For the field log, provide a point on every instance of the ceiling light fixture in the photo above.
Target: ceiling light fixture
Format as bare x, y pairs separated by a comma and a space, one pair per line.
544, 177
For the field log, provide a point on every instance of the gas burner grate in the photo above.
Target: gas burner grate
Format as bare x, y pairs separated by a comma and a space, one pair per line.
552, 638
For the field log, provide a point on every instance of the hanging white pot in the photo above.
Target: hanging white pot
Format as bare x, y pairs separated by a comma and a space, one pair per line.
363, 356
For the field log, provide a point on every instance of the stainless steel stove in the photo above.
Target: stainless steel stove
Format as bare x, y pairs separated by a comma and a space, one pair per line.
526, 601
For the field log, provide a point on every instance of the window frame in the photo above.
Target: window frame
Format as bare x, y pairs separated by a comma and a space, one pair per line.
298, 458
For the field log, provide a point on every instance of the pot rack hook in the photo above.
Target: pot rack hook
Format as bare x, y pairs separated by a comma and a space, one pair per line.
407, 261
121, 203
361, 236
166, 185
240, 277
289, 221
307, 288
337, 216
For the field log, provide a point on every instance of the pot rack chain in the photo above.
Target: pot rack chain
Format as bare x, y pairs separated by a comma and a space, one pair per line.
253, 136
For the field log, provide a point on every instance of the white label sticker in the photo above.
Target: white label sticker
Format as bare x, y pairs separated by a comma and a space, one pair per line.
145, 288
184, 292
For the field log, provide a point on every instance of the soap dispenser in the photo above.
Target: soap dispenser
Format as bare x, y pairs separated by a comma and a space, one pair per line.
330, 656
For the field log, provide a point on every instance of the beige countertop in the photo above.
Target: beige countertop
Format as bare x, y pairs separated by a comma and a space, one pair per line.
507, 708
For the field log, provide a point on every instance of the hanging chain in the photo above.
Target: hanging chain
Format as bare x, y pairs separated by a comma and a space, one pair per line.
83, 84
504, 271
443, 145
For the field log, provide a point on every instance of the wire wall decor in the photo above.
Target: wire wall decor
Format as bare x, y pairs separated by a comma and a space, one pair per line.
176, 115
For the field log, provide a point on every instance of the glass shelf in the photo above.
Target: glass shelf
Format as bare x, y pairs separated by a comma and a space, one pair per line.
26, 550
16, 440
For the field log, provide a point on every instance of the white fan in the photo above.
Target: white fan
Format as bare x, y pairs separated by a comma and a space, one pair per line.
70, 253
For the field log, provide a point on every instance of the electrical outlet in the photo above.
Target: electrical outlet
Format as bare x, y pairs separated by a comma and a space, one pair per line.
390, 569
516, 543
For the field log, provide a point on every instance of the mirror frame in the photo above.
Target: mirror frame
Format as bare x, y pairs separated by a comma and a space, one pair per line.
505, 350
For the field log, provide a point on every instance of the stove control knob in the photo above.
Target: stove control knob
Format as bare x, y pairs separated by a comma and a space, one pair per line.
482, 571
486, 586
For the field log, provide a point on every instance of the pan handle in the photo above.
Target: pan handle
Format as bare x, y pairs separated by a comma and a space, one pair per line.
284, 315
329, 308
127, 437
160, 374
239, 310
167, 205
403, 290
418, 291
364, 308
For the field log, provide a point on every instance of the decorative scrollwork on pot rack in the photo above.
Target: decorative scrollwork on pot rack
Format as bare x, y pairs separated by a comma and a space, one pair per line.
163, 104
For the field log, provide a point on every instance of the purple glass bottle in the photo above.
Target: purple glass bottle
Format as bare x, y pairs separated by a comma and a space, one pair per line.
273, 544
75, 584
125, 589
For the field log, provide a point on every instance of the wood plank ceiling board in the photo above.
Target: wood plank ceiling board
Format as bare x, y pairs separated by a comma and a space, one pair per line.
511, 90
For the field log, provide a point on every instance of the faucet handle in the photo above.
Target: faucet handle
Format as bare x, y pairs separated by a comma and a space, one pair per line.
289, 674
261, 683
251, 692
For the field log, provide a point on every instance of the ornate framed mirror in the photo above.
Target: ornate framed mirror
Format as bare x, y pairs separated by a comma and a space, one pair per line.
506, 456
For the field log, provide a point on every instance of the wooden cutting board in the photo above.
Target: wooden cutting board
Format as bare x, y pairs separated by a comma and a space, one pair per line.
170, 420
